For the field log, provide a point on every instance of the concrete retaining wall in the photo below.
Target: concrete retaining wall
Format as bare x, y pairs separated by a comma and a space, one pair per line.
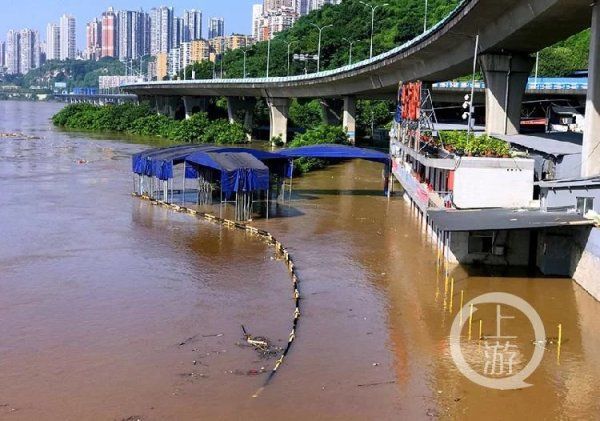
586, 261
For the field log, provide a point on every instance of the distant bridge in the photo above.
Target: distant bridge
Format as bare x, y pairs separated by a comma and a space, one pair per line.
98, 99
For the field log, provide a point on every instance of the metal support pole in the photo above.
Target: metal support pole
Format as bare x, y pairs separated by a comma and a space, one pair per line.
537, 65
183, 186
471, 109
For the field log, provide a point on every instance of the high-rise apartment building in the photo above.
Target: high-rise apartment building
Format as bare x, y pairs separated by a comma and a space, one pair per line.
178, 32
29, 51
216, 28
12, 52
125, 34
110, 25
93, 44
133, 34
276, 21
192, 25
161, 21
257, 23
52, 42
2, 55
68, 46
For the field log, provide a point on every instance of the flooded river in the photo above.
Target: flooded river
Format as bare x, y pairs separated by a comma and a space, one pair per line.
113, 309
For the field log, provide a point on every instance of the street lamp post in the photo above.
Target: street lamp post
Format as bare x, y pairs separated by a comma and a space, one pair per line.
350, 52
373, 8
289, 44
268, 54
425, 19
320, 28
245, 51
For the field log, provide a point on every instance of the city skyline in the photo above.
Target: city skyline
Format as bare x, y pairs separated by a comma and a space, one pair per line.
237, 18
131, 34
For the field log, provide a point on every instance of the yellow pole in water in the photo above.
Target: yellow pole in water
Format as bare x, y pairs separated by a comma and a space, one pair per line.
470, 321
559, 343
480, 329
462, 300
451, 294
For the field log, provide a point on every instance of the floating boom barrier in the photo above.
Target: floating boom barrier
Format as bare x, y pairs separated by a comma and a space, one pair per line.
272, 241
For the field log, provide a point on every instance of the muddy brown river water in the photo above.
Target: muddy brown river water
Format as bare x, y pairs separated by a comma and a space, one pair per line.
111, 308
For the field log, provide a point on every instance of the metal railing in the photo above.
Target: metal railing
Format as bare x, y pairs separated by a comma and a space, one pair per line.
325, 73
549, 84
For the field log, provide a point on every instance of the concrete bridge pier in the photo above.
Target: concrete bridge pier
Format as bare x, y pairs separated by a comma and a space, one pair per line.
237, 106
329, 115
590, 154
506, 80
168, 106
349, 118
193, 105
279, 111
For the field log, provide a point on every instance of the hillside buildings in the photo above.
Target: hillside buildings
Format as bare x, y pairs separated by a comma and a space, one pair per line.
273, 16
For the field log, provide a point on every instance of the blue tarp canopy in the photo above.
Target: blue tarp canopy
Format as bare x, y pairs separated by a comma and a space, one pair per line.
159, 162
239, 171
328, 151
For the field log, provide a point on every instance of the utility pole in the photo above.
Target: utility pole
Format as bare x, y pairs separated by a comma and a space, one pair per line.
373, 9
320, 28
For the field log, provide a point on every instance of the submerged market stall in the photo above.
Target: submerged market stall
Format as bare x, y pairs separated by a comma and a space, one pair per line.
242, 176
235, 175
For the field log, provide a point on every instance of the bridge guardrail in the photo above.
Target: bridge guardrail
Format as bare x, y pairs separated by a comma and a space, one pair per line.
547, 84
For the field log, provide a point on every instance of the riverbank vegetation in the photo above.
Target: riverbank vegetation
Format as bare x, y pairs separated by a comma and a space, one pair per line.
142, 121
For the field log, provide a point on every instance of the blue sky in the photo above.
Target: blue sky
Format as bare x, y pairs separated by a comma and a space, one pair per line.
36, 14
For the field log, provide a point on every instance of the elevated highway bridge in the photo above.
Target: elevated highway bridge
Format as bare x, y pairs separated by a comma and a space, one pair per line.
508, 33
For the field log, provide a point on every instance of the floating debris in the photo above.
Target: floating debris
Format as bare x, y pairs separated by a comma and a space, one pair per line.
188, 340
262, 345
17, 135
376, 383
